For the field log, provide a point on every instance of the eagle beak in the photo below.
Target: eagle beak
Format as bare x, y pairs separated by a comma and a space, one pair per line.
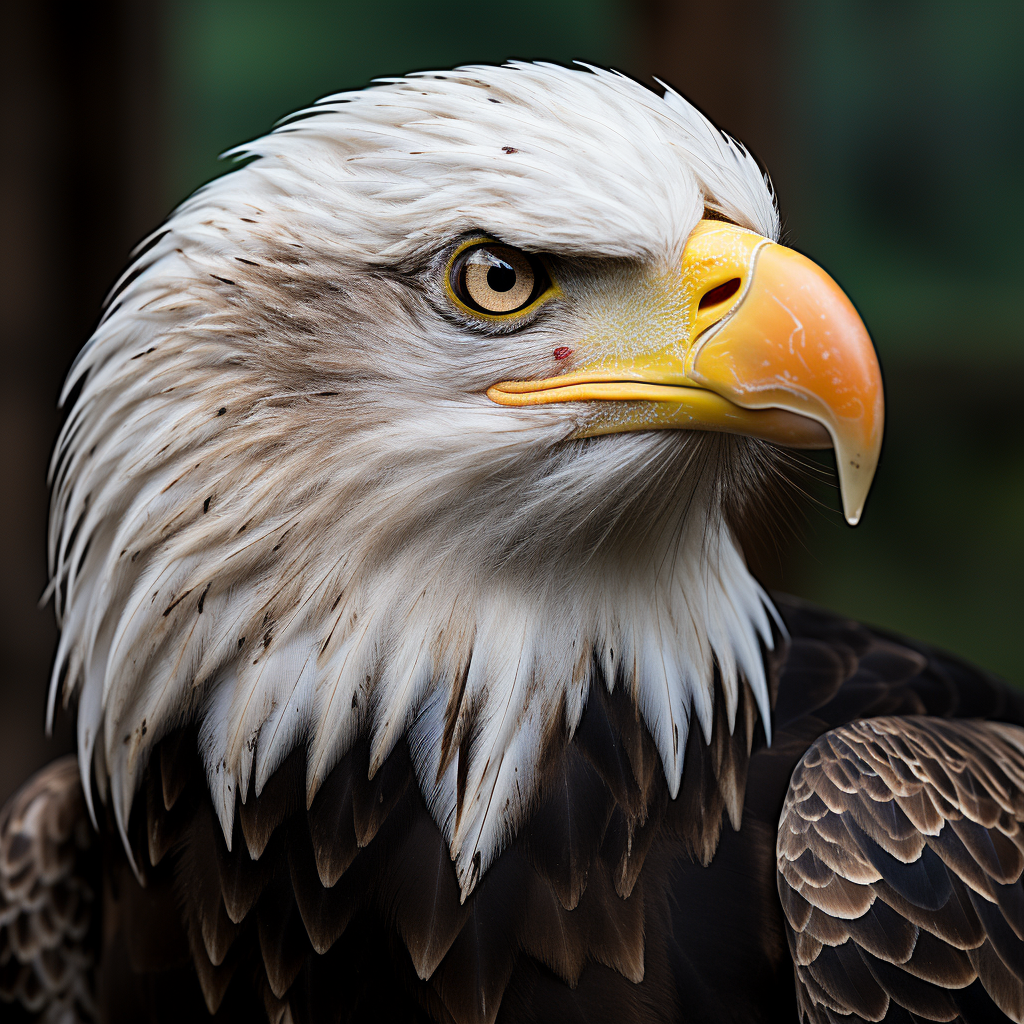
763, 343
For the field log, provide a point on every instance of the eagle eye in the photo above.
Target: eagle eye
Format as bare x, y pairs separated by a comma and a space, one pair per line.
496, 280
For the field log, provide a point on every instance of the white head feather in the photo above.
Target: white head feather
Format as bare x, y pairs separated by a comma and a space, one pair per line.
284, 509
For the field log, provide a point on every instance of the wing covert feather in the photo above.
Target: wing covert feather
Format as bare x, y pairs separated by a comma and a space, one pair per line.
907, 888
49, 882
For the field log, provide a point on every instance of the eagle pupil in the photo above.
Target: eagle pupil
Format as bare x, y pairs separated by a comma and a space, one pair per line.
501, 278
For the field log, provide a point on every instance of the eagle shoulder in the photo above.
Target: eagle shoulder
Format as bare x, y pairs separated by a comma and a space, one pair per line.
48, 897
900, 855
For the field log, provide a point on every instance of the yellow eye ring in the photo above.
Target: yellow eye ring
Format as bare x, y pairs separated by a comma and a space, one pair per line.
496, 282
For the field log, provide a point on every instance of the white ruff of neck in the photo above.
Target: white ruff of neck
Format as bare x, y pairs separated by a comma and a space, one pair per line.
423, 644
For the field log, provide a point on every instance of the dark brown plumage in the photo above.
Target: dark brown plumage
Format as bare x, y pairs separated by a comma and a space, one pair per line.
613, 903
900, 856
49, 889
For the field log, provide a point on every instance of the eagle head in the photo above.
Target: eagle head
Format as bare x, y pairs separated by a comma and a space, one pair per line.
433, 414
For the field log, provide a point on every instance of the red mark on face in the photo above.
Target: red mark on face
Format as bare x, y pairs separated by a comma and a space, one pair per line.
509, 149
562, 352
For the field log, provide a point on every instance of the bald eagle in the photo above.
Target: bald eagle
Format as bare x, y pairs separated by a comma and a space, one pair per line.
396, 542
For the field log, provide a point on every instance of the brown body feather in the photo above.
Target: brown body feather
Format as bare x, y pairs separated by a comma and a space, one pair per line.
900, 855
47, 897
614, 902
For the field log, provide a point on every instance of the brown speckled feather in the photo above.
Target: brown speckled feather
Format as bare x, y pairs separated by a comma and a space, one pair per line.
900, 856
48, 895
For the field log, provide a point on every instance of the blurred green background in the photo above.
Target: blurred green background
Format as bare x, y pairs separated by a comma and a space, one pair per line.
893, 133
908, 186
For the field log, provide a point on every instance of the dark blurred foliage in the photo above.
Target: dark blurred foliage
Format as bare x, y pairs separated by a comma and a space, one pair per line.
907, 185
893, 134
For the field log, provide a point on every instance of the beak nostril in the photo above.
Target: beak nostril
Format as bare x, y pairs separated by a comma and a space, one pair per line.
720, 293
